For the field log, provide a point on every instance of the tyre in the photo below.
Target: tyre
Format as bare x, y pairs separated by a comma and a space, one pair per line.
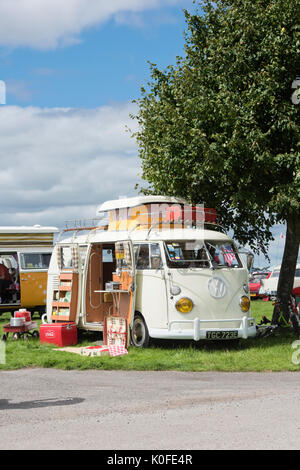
4, 337
139, 332
16, 336
35, 334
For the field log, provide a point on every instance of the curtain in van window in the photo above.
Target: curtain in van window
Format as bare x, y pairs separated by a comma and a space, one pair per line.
74, 256
58, 257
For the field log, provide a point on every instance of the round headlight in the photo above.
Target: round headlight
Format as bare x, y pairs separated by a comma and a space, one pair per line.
184, 305
245, 303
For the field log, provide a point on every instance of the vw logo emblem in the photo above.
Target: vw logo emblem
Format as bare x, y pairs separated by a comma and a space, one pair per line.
217, 287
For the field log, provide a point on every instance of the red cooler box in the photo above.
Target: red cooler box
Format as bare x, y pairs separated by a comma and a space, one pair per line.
61, 334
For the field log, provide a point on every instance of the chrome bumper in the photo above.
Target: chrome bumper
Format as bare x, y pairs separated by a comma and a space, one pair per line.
246, 330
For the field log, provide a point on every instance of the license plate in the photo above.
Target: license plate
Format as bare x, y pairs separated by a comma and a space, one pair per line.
222, 334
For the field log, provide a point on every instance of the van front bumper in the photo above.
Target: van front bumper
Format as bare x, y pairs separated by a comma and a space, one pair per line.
246, 330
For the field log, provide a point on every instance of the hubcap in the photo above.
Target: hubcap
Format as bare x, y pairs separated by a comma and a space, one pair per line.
138, 332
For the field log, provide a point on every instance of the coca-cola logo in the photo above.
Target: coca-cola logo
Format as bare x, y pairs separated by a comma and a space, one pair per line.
49, 334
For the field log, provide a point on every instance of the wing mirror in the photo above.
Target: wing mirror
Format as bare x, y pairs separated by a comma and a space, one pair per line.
250, 259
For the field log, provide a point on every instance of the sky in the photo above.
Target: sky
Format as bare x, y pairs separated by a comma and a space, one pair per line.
72, 69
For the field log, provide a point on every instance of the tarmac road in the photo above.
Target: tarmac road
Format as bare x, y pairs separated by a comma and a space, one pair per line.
55, 409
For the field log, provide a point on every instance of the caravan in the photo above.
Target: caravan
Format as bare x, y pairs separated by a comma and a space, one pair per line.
25, 254
166, 267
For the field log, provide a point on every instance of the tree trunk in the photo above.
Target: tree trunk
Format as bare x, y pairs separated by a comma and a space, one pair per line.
289, 262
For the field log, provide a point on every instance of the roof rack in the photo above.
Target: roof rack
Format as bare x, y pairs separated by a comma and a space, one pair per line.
83, 223
75, 231
151, 220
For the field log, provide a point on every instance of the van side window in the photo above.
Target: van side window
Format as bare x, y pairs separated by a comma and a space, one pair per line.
143, 257
66, 258
148, 256
35, 260
155, 256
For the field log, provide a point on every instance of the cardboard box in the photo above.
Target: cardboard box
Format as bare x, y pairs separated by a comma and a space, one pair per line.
95, 351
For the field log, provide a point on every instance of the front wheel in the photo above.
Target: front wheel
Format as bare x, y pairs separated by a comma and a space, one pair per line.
139, 333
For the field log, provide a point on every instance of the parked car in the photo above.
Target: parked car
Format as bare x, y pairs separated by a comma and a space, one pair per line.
268, 287
255, 283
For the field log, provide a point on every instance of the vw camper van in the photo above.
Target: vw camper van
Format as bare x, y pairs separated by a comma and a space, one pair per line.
166, 267
25, 254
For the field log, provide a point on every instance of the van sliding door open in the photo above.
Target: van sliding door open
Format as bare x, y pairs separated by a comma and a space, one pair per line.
109, 282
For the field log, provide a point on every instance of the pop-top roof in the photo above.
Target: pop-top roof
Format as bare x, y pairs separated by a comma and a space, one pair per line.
138, 201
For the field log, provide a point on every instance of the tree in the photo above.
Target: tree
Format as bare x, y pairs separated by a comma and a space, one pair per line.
220, 126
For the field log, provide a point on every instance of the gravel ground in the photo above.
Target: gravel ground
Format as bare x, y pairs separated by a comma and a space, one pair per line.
55, 409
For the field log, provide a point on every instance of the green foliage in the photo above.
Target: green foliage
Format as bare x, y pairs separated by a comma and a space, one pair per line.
219, 127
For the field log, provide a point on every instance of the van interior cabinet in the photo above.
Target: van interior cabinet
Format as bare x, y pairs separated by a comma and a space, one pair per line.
65, 298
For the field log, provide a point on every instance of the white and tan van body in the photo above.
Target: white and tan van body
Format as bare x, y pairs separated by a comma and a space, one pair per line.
166, 282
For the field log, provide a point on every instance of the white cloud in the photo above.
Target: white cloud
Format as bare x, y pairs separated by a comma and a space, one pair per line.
19, 89
59, 164
45, 24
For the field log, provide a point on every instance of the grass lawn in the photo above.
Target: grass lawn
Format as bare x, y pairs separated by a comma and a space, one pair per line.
266, 354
